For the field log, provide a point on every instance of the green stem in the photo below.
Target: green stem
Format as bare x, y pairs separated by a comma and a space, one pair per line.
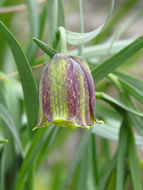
99, 95
81, 25
63, 40
3, 141
116, 82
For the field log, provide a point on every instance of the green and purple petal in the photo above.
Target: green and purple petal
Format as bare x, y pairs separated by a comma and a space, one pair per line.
66, 93
90, 81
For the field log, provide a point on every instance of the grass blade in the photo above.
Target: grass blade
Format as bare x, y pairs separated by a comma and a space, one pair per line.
47, 49
107, 173
102, 49
4, 114
38, 141
83, 174
132, 85
116, 60
134, 162
118, 15
26, 76
52, 20
94, 160
121, 156
79, 154
46, 144
138, 83
112, 133
116, 103
61, 14
43, 20
74, 38
34, 27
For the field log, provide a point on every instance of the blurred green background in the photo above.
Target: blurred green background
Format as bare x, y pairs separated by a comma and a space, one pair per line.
126, 23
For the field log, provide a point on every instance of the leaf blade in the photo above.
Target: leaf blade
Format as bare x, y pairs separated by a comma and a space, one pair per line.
47, 49
28, 82
6, 117
34, 27
115, 102
121, 156
109, 65
134, 162
74, 38
79, 152
132, 85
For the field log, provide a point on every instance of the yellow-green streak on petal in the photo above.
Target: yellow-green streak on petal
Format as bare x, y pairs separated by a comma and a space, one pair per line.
61, 68
53, 90
82, 98
42, 121
57, 72
81, 104
41, 113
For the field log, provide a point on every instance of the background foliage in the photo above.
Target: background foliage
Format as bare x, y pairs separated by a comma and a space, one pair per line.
107, 157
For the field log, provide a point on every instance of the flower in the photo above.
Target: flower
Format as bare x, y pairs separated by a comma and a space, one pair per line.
66, 93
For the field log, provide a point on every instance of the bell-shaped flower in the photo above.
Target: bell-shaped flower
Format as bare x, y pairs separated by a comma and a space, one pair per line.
66, 93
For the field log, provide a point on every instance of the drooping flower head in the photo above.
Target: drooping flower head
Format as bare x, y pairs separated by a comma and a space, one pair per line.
66, 93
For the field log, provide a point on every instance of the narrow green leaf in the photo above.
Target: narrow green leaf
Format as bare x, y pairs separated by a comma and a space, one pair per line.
40, 154
106, 131
26, 76
47, 49
107, 173
38, 141
138, 83
6, 117
30, 181
105, 150
78, 156
29, 158
132, 85
91, 165
136, 121
112, 133
112, 182
2, 96
34, 27
43, 20
94, 159
52, 20
61, 14
125, 98
101, 50
134, 162
121, 157
90, 52
88, 167
117, 103
74, 38
81, 25
45, 145
123, 28
82, 179
119, 14
116, 60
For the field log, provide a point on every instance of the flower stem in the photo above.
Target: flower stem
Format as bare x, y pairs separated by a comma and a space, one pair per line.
81, 25
63, 39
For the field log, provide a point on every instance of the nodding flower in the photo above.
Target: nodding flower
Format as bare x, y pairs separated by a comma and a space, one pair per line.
66, 93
